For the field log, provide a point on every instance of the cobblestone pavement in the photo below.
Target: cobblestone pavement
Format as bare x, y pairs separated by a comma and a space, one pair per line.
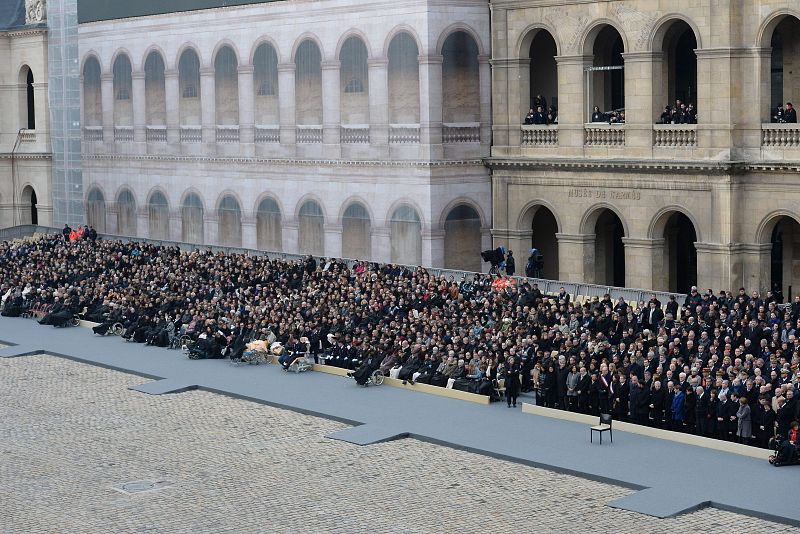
71, 433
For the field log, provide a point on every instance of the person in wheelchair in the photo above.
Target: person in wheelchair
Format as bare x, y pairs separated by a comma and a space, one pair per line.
371, 364
114, 316
293, 351
208, 346
13, 306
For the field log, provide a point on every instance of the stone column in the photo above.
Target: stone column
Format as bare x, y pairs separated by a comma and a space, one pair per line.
40, 110
208, 105
331, 109
755, 89
173, 102
175, 224
576, 257
210, 233
639, 95
644, 264
381, 244
433, 248
246, 105
485, 75
430, 107
715, 103
139, 107
249, 237
754, 261
714, 265
378, 71
290, 236
107, 102
333, 240
572, 96
286, 73
143, 221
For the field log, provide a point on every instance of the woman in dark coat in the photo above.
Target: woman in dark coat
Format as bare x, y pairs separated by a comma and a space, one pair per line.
512, 382
550, 393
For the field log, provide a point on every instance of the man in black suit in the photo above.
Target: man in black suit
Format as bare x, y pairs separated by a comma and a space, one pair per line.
653, 316
701, 412
790, 114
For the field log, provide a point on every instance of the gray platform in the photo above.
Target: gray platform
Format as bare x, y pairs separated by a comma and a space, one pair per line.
674, 478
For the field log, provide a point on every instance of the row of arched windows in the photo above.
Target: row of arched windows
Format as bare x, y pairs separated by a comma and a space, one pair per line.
462, 226
460, 83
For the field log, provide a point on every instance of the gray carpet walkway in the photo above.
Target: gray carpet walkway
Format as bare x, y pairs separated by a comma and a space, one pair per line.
673, 477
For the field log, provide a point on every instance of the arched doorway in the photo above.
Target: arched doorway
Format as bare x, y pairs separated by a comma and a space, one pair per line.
268, 226
126, 213
30, 213
311, 236
229, 222
462, 239
785, 257
192, 223
607, 86
544, 228
784, 67
226, 87
123, 91
356, 233
460, 79
155, 90
158, 216
354, 82
308, 83
679, 66
406, 236
543, 76
265, 79
609, 250
96, 210
680, 254
403, 80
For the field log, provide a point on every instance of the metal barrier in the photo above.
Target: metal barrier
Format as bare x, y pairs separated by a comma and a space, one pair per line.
548, 287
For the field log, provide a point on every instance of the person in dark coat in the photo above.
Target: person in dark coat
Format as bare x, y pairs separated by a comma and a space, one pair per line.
369, 366
550, 390
701, 412
583, 389
561, 382
622, 392
511, 266
658, 398
713, 402
764, 422
512, 382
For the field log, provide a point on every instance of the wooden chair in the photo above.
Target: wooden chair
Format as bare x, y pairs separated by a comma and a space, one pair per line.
500, 388
605, 425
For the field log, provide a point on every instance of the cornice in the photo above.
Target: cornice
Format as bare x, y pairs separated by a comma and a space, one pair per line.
26, 155
665, 166
285, 161
25, 32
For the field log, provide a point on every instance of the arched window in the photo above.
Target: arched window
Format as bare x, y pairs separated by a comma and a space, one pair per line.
784, 80
126, 213
26, 107
158, 216
403, 80
265, 79
155, 90
96, 210
92, 99
354, 81
268, 226
541, 83
30, 210
226, 80
311, 237
308, 83
229, 220
406, 236
356, 235
189, 88
460, 79
123, 91
192, 230
678, 68
462, 239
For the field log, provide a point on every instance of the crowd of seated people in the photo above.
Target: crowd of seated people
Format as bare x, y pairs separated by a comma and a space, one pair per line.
787, 115
723, 366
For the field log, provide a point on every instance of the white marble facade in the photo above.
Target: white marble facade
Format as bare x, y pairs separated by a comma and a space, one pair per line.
339, 127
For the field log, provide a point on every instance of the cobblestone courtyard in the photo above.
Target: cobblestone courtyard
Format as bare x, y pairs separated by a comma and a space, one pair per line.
72, 433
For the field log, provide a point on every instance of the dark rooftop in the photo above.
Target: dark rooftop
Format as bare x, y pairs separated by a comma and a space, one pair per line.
97, 10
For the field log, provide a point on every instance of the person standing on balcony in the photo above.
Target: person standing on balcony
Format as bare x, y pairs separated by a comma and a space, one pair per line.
597, 115
539, 117
529, 117
777, 115
539, 101
790, 115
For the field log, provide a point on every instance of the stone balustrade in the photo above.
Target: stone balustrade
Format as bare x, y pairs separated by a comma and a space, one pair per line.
27, 136
191, 134
156, 134
268, 134
780, 135
93, 133
539, 135
355, 134
123, 134
674, 135
403, 133
227, 134
602, 134
309, 134
461, 132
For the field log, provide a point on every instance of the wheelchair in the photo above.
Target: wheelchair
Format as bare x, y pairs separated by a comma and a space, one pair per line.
302, 364
375, 379
252, 357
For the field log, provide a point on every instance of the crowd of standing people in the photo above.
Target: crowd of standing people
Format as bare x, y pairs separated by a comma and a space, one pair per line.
723, 366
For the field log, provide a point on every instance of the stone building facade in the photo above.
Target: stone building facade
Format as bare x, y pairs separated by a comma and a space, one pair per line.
338, 128
25, 154
643, 204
